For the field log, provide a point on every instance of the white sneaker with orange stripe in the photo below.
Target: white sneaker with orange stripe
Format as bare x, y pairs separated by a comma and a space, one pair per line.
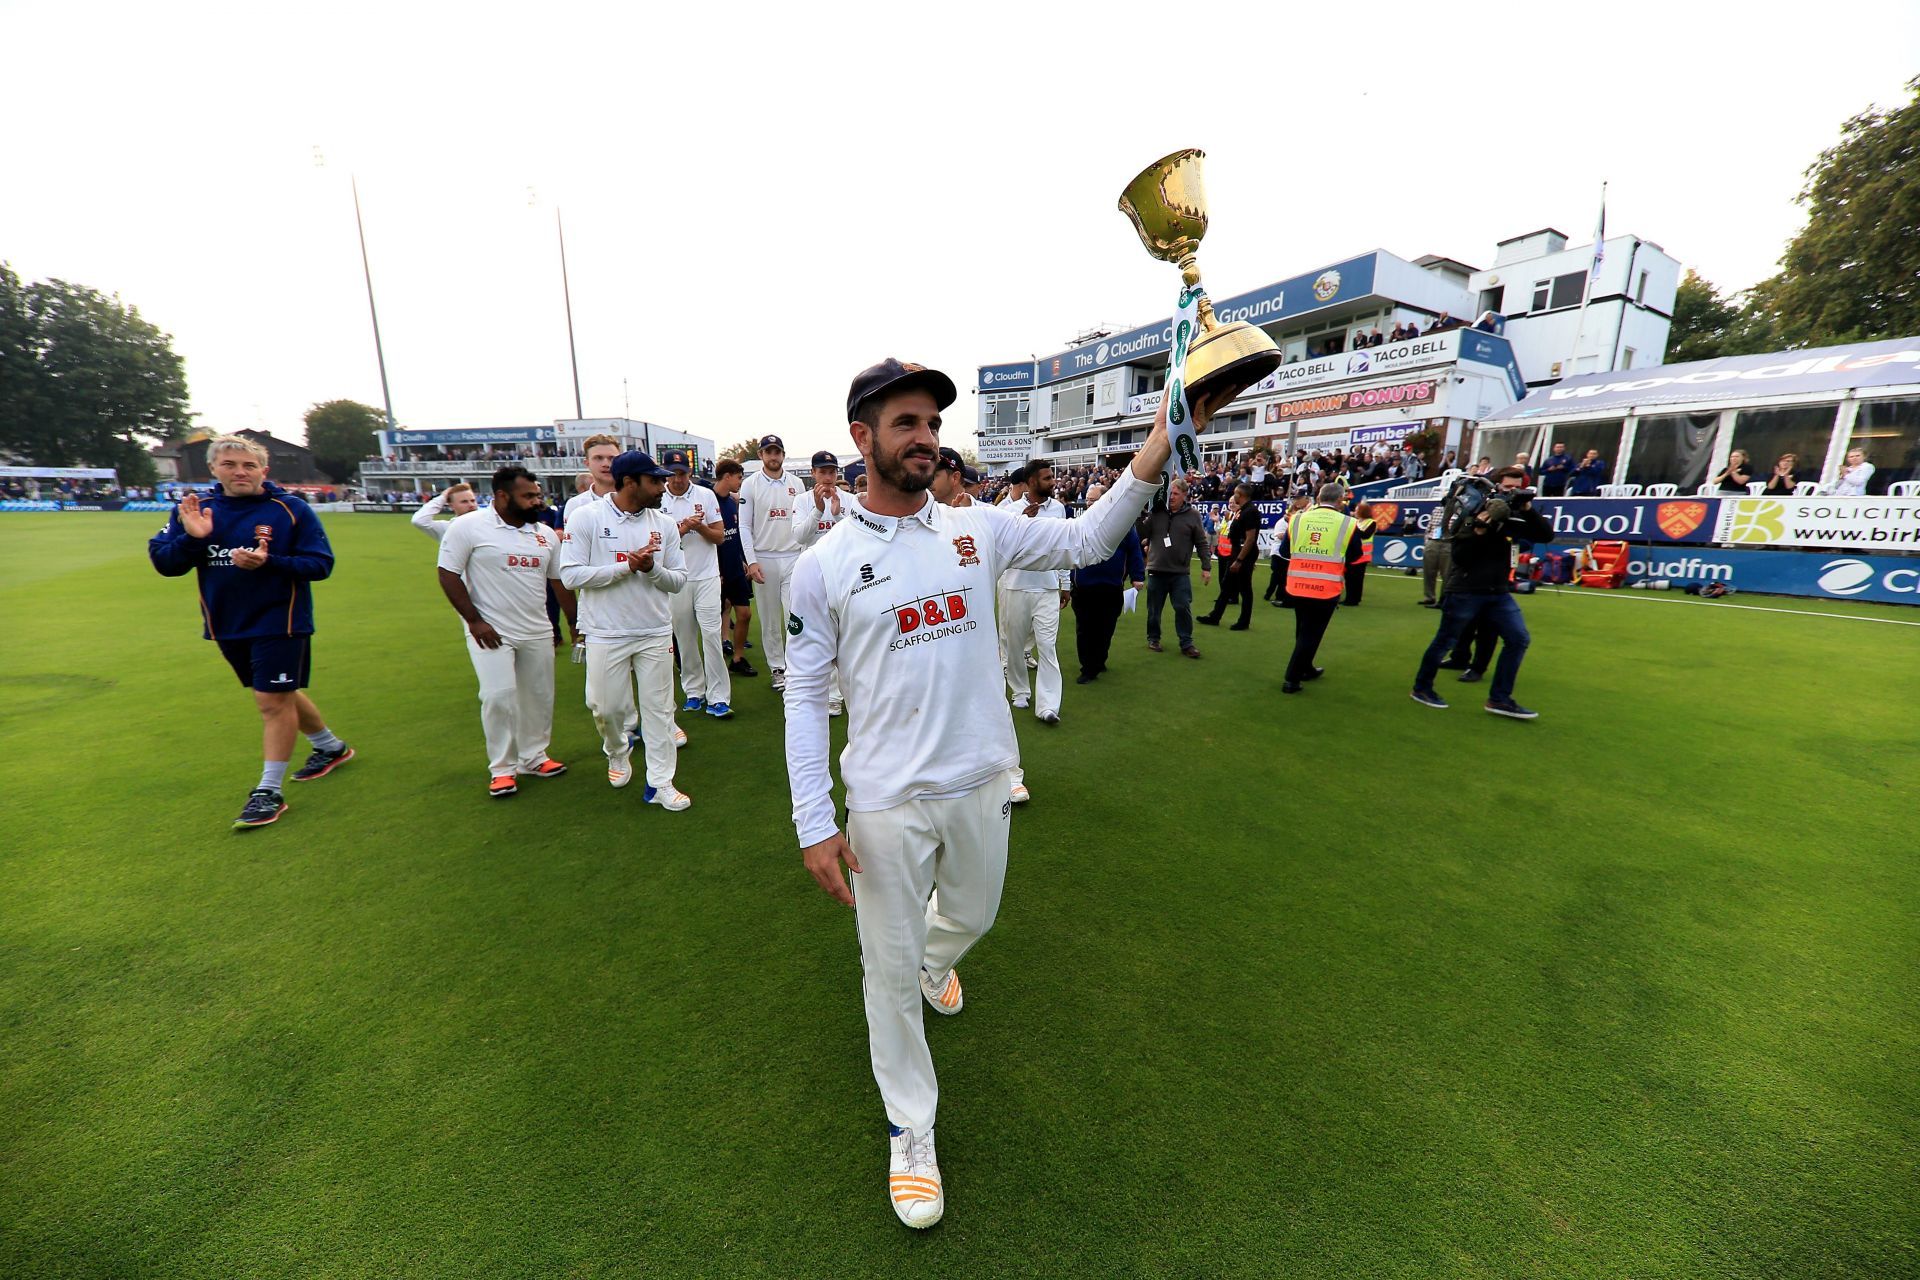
913, 1178
942, 992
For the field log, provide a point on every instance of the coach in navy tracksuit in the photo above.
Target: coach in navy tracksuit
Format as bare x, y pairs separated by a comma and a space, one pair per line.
255, 549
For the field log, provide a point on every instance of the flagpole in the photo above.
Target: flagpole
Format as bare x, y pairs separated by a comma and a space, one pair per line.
386, 397
1586, 293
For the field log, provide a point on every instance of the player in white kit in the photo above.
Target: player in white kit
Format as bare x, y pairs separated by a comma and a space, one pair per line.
1030, 603
695, 511
767, 502
900, 595
624, 559
600, 452
819, 509
455, 499
495, 563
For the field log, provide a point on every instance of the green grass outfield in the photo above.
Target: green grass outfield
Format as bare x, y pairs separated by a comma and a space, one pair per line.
1627, 991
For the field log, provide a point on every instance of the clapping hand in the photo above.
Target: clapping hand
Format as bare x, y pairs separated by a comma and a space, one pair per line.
250, 557
194, 518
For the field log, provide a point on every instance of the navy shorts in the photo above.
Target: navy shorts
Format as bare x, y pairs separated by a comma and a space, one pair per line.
735, 587
270, 664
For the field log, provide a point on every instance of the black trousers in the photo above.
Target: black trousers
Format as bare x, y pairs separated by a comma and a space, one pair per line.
1235, 586
1356, 582
1476, 643
1096, 611
1275, 577
1310, 618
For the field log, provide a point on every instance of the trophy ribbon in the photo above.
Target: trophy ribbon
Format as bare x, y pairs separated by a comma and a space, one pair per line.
1185, 458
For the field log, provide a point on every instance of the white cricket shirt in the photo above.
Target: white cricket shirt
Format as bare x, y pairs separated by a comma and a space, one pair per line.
424, 521
506, 570
810, 520
904, 606
700, 502
766, 515
616, 602
1037, 579
578, 502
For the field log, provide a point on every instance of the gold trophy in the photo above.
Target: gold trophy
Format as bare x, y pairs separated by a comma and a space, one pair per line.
1168, 206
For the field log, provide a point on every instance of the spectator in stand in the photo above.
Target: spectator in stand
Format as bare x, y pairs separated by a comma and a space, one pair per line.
1556, 471
1487, 323
1588, 476
1174, 533
1376, 338
1525, 464
1781, 483
1099, 595
1734, 477
1404, 330
1360, 342
1444, 323
1854, 475
1411, 466
1483, 467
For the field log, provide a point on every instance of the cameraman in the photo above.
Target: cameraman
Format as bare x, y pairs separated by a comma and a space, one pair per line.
1479, 585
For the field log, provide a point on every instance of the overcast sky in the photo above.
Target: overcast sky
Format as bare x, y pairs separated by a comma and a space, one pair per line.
762, 200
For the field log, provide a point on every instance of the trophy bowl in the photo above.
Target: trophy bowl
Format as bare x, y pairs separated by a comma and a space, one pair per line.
1167, 204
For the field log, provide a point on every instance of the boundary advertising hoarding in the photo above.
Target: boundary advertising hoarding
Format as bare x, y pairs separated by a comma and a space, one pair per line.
1864, 524
1876, 579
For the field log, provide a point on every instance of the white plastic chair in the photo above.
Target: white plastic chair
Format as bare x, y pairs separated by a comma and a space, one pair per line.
1706, 491
1904, 489
1757, 487
1618, 490
1662, 490
1806, 489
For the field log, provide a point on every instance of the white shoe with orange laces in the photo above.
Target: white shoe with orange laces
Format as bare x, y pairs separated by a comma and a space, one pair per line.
913, 1178
943, 993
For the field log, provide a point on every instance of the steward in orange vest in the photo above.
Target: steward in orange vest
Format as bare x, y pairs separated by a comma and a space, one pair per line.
1318, 545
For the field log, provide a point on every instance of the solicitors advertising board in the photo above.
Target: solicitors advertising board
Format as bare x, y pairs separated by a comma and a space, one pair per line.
1863, 524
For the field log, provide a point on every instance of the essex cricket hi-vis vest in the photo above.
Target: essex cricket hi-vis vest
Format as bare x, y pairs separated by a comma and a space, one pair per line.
1317, 549
1366, 542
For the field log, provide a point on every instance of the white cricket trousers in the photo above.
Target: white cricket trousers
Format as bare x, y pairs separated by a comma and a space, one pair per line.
696, 634
773, 604
516, 702
1032, 618
613, 669
959, 845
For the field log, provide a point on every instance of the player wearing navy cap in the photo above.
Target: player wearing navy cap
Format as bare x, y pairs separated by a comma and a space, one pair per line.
900, 595
623, 556
254, 548
695, 511
949, 479
767, 503
817, 513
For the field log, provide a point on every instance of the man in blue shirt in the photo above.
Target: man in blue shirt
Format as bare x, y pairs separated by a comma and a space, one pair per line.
255, 549
736, 588
1555, 472
1588, 476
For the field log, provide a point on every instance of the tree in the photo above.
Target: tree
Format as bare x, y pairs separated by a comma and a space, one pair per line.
84, 380
1852, 274
1702, 321
748, 448
340, 433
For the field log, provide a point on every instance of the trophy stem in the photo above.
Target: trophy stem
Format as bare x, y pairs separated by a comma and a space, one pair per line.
1190, 276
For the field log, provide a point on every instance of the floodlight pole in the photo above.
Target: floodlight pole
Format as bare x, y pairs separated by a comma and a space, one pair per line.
379, 352
566, 291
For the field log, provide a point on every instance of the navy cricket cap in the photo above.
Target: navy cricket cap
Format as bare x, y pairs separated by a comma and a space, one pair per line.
676, 460
772, 442
635, 463
825, 458
968, 474
892, 375
950, 460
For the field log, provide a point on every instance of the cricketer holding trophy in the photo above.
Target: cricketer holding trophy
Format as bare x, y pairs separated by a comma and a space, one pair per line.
899, 596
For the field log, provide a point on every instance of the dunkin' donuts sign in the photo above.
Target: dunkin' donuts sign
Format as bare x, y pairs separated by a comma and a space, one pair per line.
1413, 394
